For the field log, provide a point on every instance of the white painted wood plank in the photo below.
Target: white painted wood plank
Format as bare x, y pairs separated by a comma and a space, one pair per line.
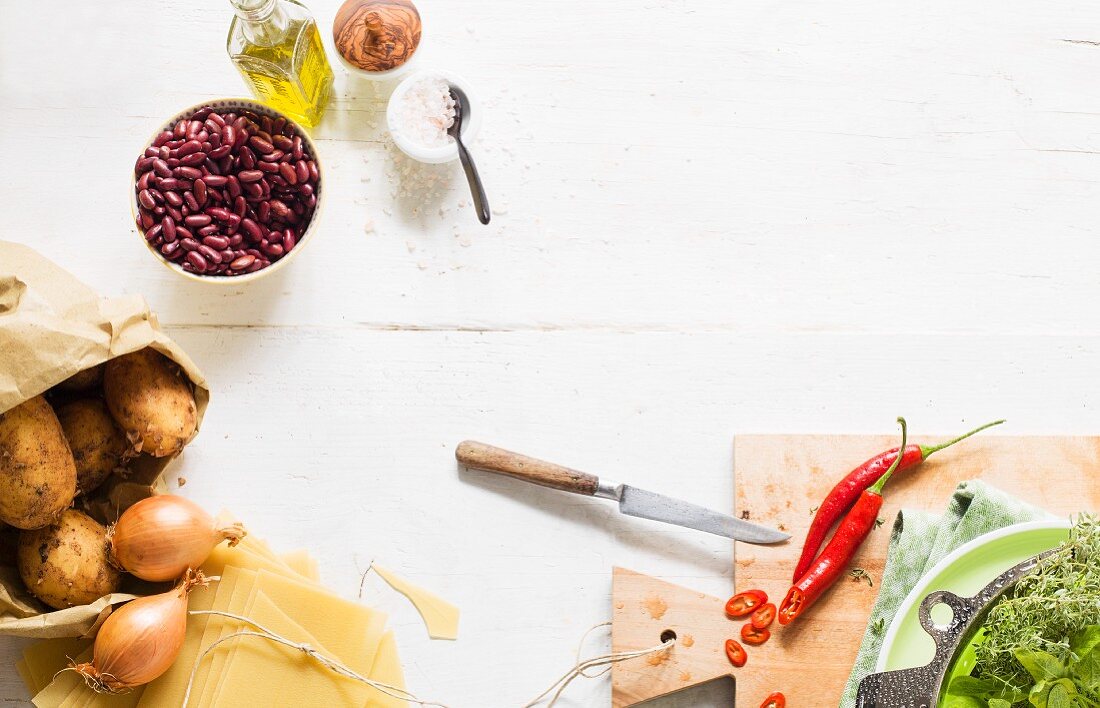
663, 165
342, 441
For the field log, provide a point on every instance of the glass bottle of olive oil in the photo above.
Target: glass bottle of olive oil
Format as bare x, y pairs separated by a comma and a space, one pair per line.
277, 48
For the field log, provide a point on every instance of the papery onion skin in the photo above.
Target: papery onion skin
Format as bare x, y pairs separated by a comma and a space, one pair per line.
160, 538
140, 640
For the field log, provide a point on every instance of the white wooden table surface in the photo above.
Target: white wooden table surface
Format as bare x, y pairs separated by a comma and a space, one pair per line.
710, 218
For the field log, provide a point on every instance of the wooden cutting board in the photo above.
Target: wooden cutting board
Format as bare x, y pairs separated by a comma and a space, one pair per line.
779, 479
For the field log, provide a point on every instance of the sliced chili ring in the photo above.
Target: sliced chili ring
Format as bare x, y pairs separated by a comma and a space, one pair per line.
736, 653
763, 616
743, 603
775, 700
753, 636
791, 606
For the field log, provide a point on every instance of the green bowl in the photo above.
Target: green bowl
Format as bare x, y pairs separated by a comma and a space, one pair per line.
964, 572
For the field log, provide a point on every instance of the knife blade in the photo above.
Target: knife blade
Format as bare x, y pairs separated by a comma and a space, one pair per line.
632, 500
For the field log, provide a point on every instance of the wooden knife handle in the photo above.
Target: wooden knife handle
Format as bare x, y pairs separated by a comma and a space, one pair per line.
493, 459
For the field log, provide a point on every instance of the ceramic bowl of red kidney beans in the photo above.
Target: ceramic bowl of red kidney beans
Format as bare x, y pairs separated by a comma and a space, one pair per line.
227, 191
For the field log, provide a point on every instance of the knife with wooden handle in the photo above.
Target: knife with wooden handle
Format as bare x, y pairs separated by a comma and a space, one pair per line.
632, 501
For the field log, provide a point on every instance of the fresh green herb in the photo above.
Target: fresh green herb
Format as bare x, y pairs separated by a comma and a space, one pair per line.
1040, 644
861, 574
878, 625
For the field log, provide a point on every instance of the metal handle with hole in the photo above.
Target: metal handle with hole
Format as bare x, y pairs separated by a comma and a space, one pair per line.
961, 611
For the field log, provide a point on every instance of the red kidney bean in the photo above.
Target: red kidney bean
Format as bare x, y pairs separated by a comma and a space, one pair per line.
145, 197
162, 137
263, 213
253, 189
189, 147
165, 153
219, 213
188, 244
208, 230
305, 189
261, 144
209, 254
176, 214
234, 222
153, 234
170, 248
278, 208
174, 199
288, 173
173, 184
273, 156
187, 172
251, 230
233, 186
268, 167
199, 190
236, 240
215, 180
197, 261
180, 129
220, 152
190, 201
218, 243
161, 168
242, 262
144, 164
144, 180
240, 206
282, 142
289, 240
274, 250
168, 228
172, 162
194, 159
197, 220
246, 158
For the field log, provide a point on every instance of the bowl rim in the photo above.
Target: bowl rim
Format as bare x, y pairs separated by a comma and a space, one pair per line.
257, 107
924, 585
442, 153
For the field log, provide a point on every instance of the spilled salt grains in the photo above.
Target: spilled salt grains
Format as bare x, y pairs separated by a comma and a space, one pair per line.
426, 111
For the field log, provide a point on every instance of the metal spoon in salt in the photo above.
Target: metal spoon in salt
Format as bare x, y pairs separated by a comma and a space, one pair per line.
477, 189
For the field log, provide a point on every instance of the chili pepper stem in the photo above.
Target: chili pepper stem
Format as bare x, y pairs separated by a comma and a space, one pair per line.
926, 450
876, 488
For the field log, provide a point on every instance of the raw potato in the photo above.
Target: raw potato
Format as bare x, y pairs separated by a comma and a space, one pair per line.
66, 564
83, 380
37, 472
97, 444
151, 401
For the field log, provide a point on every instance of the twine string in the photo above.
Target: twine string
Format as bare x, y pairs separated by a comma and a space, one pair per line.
261, 632
581, 667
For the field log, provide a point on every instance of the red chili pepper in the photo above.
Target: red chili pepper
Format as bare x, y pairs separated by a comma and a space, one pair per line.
848, 490
753, 636
832, 562
775, 700
736, 653
743, 603
763, 617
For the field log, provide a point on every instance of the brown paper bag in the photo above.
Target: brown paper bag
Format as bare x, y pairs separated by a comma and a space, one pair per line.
51, 327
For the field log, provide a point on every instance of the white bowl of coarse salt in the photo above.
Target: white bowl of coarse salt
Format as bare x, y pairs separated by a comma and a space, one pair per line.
421, 110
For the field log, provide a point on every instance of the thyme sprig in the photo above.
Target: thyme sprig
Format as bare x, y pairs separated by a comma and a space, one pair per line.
1044, 610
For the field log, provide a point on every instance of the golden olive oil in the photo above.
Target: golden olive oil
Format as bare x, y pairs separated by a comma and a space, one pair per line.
277, 48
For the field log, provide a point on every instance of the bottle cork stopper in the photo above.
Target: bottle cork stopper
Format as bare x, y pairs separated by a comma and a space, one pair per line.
376, 35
